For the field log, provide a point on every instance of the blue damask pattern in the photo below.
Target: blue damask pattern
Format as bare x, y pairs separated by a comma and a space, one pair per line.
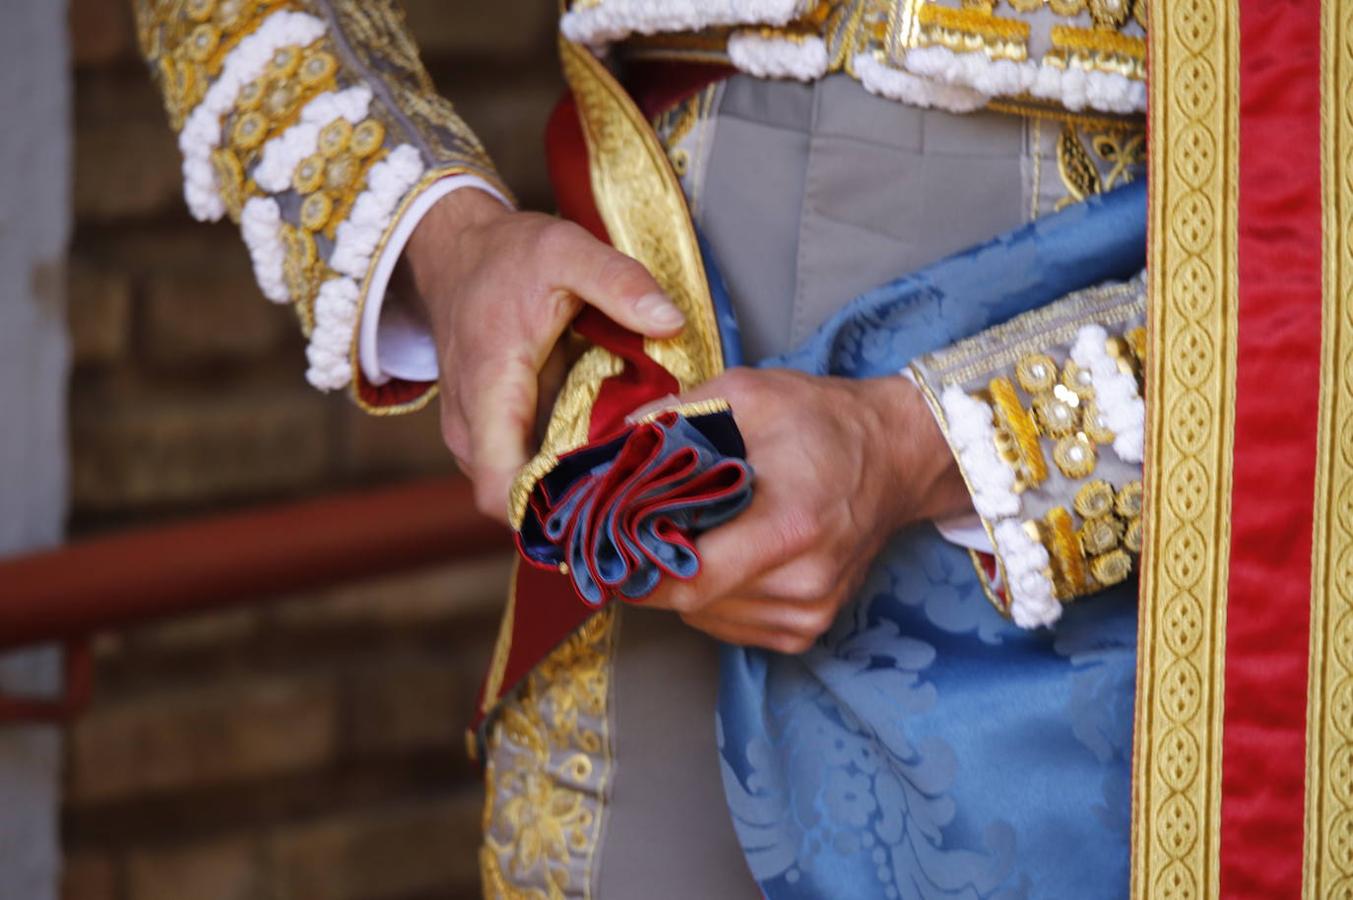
927, 748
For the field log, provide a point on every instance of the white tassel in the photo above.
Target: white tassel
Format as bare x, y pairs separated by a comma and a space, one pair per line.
609, 21
261, 225
329, 352
777, 57
887, 81
1115, 393
1033, 604
1073, 87
974, 438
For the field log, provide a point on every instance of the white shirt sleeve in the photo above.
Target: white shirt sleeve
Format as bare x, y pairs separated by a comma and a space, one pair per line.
393, 340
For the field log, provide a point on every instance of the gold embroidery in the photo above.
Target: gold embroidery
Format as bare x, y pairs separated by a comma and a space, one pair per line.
1058, 534
1078, 171
375, 33
1192, 239
1329, 729
1112, 568
968, 30
1075, 456
1057, 324
1100, 534
186, 44
1056, 417
548, 771
640, 201
1093, 424
1128, 504
1017, 435
1097, 49
1132, 536
303, 270
1094, 499
1036, 373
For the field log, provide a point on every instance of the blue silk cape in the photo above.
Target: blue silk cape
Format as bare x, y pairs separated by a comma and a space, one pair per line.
926, 747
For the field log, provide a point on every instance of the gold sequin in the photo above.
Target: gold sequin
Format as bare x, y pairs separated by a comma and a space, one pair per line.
1056, 417
285, 62
249, 130
202, 43
1129, 502
315, 211
1136, 339
229, 180
228, 12
1094, 425
281, 99
250, 96
1014, 420
309, 174
1132, 535
300, 258
1075, 456
1036, 373
1110, 13
341, 172
1067, 7
1094, 499
367, 138
1101, 534
333, 138
1078, 380
318, 68
199, 10
1111, 568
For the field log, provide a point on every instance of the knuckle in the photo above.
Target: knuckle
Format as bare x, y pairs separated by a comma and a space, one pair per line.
684, 602
818, 579
558, 238
738, 381
792, 644
796, 531
623, 273
819, 621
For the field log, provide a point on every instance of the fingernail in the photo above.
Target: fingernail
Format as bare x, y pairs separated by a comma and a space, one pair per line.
658, 311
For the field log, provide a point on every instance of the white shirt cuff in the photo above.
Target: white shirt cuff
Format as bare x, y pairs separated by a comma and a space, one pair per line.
393, 340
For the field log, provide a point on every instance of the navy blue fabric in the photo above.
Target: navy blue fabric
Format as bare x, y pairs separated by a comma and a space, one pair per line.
620, 531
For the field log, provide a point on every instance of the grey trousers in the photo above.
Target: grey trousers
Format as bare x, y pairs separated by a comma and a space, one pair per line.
809, 194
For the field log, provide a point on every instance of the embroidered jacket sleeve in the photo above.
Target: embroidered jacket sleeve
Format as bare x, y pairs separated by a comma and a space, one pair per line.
1046, 419
314, 126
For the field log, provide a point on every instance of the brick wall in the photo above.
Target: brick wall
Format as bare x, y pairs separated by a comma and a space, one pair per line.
310, 749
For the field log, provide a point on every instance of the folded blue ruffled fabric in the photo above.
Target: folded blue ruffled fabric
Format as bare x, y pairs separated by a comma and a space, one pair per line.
619, 515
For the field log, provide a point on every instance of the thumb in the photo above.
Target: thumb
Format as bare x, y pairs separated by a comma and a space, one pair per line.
616, 284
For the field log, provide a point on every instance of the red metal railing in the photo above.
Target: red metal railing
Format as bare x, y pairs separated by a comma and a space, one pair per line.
136, 576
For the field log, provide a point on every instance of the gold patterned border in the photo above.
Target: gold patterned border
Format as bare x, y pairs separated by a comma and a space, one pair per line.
1192, 324
1328, 869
